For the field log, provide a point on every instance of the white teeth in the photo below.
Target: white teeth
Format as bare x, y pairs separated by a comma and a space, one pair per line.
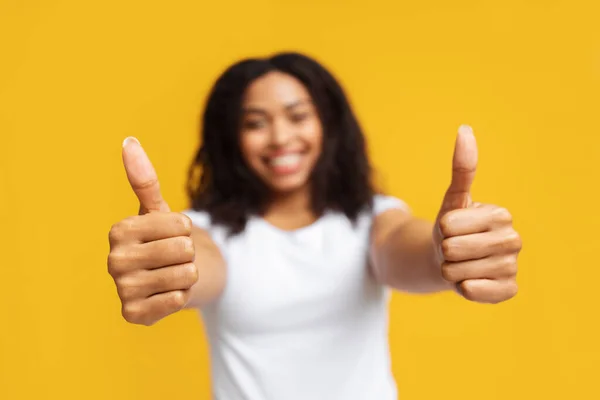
288, 160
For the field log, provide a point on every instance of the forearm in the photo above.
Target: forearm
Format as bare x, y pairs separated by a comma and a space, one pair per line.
211, 271
405, 259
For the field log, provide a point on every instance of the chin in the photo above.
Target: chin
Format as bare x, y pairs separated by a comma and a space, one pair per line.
288, 185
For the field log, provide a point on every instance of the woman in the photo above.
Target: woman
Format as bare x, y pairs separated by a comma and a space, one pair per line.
288, 250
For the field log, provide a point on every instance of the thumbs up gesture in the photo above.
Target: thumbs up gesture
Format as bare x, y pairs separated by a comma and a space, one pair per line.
151, 254
476, 243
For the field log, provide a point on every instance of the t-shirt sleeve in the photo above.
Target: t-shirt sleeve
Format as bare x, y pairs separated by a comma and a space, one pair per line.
382, 203
201, 219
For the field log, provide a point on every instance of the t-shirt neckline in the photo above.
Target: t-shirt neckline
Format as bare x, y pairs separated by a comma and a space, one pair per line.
292, 232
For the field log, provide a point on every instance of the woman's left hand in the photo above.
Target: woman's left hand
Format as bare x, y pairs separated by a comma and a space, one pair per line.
476, 244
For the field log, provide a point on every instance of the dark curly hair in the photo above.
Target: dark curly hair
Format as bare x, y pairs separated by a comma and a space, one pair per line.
221, 183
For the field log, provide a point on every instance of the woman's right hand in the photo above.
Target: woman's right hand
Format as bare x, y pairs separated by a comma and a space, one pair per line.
151, 255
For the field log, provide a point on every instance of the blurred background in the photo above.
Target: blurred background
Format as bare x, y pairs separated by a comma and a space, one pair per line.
77, 77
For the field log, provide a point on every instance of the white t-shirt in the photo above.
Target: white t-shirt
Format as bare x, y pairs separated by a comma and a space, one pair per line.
301, 318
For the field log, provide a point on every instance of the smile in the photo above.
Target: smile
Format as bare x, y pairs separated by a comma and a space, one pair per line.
285, 164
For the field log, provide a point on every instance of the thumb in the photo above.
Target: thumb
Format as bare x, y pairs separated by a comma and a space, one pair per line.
142, 177
464, 165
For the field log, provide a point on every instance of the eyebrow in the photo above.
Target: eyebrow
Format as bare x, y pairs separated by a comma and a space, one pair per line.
288, 107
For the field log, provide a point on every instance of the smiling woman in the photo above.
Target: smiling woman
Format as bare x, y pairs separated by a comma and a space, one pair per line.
261, 110
77, 77
278, 109
288, 251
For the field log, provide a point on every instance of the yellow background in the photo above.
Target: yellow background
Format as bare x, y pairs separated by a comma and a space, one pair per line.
76, 77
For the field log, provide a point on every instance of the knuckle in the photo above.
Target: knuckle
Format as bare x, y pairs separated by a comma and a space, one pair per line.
468, 292
517, 241
133, 313
448, 249
508, 266
127, 288
177, 299
147, 184
501, 215
191, 274
120, 230
512, 241
128, 224
446, 224
117, 262
112, 271
187, 246
185, 222
448, 272
116, 234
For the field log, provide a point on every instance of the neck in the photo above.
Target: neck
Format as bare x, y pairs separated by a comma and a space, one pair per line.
290, 202
290, 210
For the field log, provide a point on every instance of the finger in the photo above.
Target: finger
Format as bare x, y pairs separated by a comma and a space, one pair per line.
464, 165
142, 177
165, 252
504, 266
143, 284
149, 227
152, 255
480, 245
154, 308
476, 219
488, 290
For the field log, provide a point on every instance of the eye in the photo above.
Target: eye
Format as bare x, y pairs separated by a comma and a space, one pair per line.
254, 124
299, 117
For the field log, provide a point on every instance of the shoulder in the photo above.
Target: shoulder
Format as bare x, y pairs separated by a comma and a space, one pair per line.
384, 202
381, 207
389, 212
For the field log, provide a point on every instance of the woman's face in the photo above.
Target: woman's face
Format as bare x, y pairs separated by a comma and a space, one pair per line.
281, 133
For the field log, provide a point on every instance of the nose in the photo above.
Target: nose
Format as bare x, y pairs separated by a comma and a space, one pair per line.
281, 133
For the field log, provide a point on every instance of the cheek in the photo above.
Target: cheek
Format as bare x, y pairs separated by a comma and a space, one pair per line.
251, 146
313, 135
